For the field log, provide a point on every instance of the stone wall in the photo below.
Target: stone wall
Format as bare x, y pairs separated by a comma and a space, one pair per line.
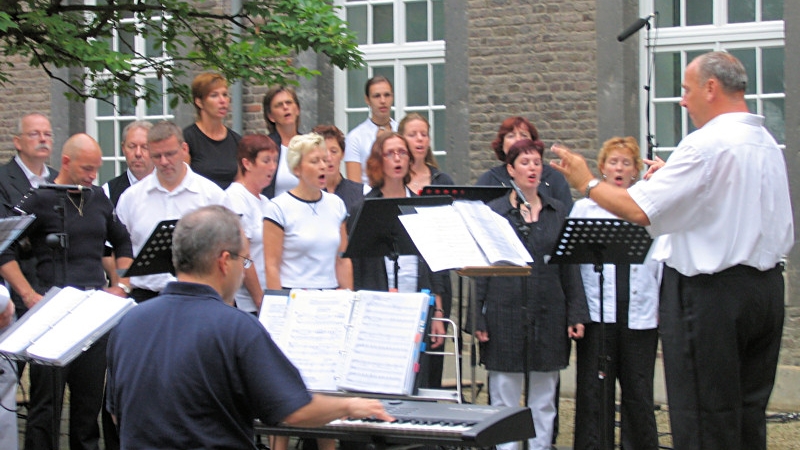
28, 91
535, 59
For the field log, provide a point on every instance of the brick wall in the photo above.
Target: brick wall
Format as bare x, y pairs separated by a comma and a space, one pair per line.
28, 92
534, 59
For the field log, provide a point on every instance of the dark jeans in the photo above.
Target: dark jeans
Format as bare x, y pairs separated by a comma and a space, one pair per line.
632, 358
85, 376
721, 335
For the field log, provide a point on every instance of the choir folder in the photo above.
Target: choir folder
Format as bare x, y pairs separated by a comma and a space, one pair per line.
342, 340
62, 325
464, 234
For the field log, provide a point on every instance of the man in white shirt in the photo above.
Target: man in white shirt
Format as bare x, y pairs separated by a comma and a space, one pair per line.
379, 96
721, 206
171, 191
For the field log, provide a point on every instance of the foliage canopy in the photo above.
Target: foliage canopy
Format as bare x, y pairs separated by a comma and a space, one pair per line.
255, 44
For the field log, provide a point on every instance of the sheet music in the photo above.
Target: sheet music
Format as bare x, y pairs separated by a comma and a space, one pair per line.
89, 319
383, 350
466, 233
443, 239
494, 234
63, 324
273, 313
39, 320
314, 334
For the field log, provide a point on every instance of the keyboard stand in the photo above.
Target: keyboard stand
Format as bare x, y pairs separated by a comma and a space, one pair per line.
447, 395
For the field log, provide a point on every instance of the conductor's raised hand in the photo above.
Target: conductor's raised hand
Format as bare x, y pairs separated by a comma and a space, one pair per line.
572, 165
653, 166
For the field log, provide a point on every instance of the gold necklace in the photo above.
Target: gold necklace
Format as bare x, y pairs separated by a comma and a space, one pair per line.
78, 207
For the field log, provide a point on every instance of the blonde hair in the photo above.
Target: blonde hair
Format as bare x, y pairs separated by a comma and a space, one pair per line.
301, 145
621, 143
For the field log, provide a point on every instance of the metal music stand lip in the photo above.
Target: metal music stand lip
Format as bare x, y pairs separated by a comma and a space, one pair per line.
600, 241
458, 192
11, 228
377, 230
156, 255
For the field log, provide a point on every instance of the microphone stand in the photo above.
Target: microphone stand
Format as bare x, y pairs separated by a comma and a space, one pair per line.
524, 230
59, 241
648, 91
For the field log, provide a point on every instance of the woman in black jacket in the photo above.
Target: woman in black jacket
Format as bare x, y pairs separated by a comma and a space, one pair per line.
549, 305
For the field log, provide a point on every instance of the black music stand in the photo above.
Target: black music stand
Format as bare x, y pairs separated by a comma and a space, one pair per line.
12, 227
597, 242
459, 192
156, 254
377, 231
482, 193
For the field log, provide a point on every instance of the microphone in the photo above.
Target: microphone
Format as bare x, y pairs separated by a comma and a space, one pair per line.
520, 196
635, 26
62, 187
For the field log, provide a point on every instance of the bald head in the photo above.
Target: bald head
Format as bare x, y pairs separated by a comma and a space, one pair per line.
81, 158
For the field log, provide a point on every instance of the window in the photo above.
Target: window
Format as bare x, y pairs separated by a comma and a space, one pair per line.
105, 119
402, 40
751, 30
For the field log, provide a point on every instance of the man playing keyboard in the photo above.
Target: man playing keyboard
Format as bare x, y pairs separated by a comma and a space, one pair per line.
189, 370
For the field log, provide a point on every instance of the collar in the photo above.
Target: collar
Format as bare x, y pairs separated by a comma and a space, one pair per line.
33, 179
191, 290
188, 183
132, 178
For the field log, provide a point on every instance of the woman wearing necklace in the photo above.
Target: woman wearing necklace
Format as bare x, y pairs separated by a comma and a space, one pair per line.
379, 96
257, 159
212, 145
282, 114
425, 170
305, 234
550, 306
388, 168
349, 191
304, 228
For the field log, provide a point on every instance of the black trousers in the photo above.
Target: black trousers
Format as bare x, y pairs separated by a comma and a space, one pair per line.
632, 358
721, 335
85, 376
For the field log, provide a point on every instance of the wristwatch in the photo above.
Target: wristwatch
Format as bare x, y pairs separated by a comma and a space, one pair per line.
592, 184
125, 288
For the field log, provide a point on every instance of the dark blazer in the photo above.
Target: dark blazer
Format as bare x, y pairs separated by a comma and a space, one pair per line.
118, 185
555, 299
14, 184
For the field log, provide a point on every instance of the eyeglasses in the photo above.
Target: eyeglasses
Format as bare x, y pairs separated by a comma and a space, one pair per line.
395, 154
36, 134
246, 262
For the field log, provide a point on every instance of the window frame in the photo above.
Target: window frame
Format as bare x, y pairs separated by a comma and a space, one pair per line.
719, 35
115, 155
397, 55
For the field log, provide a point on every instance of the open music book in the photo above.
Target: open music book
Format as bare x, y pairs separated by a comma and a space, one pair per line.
464, 234
63, 324
351, 341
